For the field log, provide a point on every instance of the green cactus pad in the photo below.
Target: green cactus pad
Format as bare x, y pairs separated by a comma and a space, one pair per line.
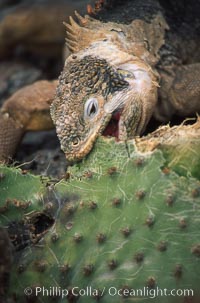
19, 192
122, 222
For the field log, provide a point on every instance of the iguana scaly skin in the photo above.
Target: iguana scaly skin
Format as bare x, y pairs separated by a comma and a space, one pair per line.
112, 75
136, 61
110, 72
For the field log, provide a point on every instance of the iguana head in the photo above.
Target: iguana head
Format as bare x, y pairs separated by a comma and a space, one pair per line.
99, 93
85, 103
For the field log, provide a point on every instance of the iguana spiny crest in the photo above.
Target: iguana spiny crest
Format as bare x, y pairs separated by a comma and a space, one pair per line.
107, 85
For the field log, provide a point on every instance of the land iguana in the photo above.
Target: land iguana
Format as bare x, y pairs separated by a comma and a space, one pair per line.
137, 60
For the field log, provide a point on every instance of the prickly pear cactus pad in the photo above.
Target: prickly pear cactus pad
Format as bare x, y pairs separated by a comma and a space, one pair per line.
125, 229
18, 193
23, 213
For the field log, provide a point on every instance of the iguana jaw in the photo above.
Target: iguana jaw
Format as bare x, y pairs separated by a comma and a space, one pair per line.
112, 129
88, 144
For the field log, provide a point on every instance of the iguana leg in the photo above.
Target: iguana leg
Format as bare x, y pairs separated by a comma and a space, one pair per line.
27, 109
179, 93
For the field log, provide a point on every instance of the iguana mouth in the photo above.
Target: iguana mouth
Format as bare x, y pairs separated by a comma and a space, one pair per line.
112, 129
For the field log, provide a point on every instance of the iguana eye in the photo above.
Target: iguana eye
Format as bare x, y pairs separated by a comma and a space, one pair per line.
75, 141
91, 108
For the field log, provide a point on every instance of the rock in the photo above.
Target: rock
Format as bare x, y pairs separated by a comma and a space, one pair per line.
14, 75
